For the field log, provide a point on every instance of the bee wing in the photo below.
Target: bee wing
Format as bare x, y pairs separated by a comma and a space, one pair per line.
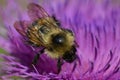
34, 37
21, 27
36, 12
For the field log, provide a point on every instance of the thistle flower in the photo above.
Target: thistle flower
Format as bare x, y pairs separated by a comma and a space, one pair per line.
96, 28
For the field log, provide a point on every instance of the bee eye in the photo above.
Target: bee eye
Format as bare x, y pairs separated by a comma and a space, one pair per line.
43, 29
58, 39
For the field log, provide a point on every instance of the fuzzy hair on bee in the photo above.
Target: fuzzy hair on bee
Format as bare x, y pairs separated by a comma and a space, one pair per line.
45, 31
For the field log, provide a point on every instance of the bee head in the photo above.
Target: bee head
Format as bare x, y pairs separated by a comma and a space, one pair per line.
70, 56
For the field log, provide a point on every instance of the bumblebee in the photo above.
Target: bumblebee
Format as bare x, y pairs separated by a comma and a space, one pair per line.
45, 31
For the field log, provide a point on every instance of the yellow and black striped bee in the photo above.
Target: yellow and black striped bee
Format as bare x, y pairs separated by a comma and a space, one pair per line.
45, 31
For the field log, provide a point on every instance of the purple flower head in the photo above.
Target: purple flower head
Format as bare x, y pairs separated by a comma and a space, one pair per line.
95, 24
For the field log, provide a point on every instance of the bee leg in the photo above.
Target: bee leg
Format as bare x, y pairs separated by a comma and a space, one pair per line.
59, 64
35, 59
37, 56
57, 22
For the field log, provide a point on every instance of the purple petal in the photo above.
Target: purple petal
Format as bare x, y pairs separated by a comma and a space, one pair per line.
96, 28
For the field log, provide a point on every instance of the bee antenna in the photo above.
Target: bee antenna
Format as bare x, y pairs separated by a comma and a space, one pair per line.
76, 44
78, 59
75, 63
